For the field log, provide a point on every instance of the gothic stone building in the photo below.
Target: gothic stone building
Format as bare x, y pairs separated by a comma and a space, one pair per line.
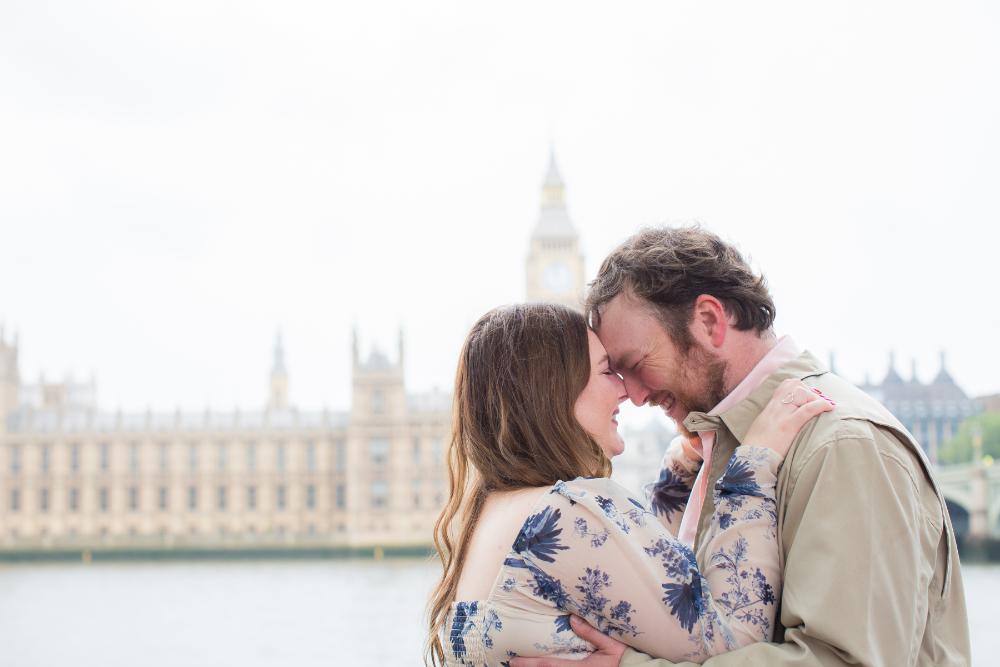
931, 412
75, 477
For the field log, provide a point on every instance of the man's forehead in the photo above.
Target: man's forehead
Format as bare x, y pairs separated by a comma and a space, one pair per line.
625, 327
619, 337
624, 312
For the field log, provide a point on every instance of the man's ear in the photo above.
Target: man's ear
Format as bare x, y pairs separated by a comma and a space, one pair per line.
710, 323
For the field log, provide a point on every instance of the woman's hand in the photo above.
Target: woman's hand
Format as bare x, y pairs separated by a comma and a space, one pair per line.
792, 405
690, 443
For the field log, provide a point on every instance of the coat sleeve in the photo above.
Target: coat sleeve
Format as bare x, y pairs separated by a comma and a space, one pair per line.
855, 579
668, 495
593, 550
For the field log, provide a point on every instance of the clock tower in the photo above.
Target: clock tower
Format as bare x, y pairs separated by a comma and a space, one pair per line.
555, 265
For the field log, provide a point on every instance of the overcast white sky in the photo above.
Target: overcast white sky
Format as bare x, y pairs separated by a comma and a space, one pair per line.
178, 179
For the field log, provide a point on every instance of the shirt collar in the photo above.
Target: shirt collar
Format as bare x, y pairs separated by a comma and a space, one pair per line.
782, 353
738, 415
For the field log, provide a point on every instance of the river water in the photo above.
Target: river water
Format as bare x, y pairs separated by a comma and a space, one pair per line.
263, 614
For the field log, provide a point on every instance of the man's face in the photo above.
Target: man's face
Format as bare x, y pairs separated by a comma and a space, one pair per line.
654, 369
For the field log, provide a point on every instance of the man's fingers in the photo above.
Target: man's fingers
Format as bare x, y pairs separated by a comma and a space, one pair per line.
587, 632
608, 652
541, 662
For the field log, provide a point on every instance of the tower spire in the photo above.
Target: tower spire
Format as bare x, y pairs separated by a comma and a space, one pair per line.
279, 377
278, 365
943, 376
553, 218
401, 347
355, 354
892, 376
553, 187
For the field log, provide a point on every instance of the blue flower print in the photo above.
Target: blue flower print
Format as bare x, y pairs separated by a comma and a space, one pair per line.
539, 535
668, 494
606, 504
739, 480
638, 512
622, 612
562, 623
493, 622
617, 620
749, 590
739, 497
684, 594
460, 626
591, 585
676, 558
685, 601
581, 529
548, 587
635, 515
563, 490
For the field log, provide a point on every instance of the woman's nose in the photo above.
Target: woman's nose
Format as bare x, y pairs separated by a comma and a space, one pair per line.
622, 393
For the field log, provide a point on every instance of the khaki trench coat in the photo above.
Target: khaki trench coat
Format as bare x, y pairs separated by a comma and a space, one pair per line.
871, 571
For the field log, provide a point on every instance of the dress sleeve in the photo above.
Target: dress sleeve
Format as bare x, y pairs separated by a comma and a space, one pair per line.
593, 550
668, 495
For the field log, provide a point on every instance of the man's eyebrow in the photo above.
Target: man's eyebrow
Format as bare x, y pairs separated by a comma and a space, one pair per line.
625, 361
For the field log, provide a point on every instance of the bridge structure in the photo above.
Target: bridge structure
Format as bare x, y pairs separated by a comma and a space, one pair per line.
972, 491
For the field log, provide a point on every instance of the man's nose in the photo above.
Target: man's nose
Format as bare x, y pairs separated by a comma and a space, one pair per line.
637, 391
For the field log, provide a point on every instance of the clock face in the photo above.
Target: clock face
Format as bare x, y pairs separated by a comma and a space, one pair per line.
558, 277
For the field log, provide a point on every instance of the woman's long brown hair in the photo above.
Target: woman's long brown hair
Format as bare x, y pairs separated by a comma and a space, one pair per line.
520, 372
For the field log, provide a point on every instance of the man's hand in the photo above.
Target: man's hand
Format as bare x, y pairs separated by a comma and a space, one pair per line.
608, 654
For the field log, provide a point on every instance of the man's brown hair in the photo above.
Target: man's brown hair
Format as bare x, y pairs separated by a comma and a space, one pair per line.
670, 267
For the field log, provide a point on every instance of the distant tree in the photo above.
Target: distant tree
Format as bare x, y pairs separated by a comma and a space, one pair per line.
959, 448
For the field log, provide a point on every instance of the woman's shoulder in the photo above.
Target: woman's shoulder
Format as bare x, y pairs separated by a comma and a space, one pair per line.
592, 487
606, 499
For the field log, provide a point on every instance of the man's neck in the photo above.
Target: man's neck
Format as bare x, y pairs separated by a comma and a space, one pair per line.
747, 353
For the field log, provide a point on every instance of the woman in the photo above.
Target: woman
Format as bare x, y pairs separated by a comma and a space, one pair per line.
533, 530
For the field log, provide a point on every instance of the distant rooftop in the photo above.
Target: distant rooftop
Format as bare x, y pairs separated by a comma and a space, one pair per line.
27, 420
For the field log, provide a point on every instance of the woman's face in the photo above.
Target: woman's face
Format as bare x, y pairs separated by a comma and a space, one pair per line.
597, 406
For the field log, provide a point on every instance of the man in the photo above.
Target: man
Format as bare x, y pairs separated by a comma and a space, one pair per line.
871, 571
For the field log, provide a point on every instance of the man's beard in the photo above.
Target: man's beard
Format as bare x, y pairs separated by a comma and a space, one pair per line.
707, 373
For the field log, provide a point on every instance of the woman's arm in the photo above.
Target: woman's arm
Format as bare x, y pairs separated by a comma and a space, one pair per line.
668, 495
594, 551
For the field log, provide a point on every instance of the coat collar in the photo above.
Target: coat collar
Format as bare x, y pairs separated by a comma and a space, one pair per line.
739, 417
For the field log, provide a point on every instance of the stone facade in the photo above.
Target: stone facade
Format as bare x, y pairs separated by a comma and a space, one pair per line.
931, 412
72, 476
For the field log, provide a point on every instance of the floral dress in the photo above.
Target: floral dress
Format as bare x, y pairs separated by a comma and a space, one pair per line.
589, 548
